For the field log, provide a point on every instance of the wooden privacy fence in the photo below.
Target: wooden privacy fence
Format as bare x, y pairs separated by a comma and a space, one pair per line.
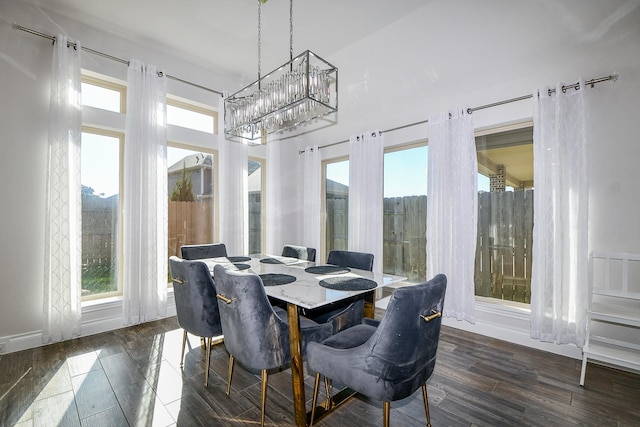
99, 230
405, 237
336, 222
503, 249
189, 223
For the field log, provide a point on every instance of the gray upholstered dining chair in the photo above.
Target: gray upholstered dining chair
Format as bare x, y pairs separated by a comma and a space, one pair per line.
208, 250
301, 252
390, 359
196, 304
344, 314
255, 333
359, 260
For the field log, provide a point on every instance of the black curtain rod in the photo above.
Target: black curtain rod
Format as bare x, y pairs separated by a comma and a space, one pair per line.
105, 55
576, 86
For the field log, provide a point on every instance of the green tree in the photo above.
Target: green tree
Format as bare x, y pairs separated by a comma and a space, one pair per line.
183, 189
88, 192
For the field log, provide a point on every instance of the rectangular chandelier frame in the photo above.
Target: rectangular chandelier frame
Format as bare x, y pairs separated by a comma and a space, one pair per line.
303, 89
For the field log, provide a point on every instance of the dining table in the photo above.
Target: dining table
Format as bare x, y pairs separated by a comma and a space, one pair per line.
306, 285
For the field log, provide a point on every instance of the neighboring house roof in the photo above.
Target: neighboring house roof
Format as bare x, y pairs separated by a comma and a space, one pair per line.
199, 160
336, 188
253, 165
193, 161
255, 179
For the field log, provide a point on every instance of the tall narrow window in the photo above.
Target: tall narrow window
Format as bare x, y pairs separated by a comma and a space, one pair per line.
100, 177
405, 213
336, 189
505, 215
190, 179
256, 180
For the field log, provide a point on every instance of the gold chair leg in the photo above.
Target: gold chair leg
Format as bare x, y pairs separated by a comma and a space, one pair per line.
184, 342
386, 409
426, 404
229, 374
208, 358
265, 377
328, 387
316, 385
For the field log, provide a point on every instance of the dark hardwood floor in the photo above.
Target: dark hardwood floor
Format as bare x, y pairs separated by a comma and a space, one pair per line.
132, 377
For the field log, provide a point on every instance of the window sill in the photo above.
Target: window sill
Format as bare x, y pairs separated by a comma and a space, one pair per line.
508, 321
101, 303
498, 306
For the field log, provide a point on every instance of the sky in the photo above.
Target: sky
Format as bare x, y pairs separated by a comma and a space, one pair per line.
405, 173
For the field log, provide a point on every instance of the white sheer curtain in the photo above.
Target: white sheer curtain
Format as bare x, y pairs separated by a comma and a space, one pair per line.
234, 195
452, 199
561, 206
312, 199
63, 228
273, 205
366, 157
145, 198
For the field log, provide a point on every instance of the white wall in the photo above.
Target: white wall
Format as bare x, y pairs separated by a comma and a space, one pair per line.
468, 53
446, 54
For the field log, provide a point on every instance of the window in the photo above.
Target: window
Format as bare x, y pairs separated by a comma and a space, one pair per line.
100, 93
405, 212
191, 116
336, 201
101, 160
256, 207
190, 179
505, 215
100, 178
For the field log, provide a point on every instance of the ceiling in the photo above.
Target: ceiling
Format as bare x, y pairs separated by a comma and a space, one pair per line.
221, 35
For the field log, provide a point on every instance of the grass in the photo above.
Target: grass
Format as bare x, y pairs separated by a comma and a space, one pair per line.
98, 279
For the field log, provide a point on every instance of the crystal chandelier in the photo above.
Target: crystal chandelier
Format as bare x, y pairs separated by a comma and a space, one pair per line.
303, 89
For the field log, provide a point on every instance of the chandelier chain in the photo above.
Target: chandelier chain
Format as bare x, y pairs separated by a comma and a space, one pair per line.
259, 38
290, 29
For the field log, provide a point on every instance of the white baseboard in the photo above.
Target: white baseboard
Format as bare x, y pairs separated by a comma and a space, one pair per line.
97, 317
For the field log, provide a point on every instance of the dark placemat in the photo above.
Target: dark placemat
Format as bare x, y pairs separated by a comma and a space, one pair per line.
238, 258
241, 266
271, 261
348, 283
272, 279
327, 269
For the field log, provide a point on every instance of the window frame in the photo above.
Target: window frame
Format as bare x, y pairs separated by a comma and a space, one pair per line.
402, 147
105, 82
216, 182
196, 107
490, 130
120, 136
263, 200
323, 203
